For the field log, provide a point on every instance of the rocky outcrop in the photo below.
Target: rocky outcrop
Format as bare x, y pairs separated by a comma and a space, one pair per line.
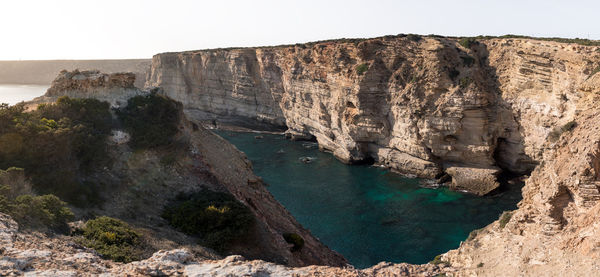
418, 106
114, 88
35, 254
556, 227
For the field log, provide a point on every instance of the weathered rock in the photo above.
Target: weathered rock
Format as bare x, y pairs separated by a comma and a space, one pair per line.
114, 88
417, 107
480, 181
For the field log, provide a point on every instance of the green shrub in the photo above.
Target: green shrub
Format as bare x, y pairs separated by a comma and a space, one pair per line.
413, 37
296, 240
45, 211
467, 42
468, 60
362, 68
71, 133
453, 74
438, 260
504, 219
464, 82
480, 265
112, 238
152, 120
216, 218
555, 134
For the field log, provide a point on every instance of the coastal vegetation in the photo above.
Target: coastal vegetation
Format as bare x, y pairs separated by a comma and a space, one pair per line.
70, 133
505, 218
112, 238
216, 218
362, 68
151, 120
296, 240
555, 134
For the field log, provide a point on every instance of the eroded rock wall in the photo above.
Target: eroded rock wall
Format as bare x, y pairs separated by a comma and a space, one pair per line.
420, 106
114, 88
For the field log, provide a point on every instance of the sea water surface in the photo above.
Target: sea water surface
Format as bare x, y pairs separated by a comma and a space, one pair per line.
13, 94
367, 213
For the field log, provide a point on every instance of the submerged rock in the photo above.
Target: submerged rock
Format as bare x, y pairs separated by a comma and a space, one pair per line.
307, 160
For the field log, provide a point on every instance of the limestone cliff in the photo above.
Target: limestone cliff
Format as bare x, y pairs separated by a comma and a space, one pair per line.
423, 106
426, 107
556, 227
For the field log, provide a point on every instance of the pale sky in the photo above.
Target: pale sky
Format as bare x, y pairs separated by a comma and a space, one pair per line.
107, 29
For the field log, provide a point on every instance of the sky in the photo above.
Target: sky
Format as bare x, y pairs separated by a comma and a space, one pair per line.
118, 29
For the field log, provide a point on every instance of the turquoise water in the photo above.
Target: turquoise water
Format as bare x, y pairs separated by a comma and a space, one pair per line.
366, 213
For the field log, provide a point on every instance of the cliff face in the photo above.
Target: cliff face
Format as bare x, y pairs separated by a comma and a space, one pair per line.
420, 106
432, 106
555, 229
143, 184
114, 88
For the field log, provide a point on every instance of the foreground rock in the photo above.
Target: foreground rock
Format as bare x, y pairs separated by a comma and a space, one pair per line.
114, 88
34, 254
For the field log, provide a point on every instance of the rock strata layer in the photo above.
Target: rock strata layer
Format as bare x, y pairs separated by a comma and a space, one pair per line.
114, 88
418, 106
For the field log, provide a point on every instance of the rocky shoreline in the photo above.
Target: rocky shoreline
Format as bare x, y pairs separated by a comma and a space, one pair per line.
427, 106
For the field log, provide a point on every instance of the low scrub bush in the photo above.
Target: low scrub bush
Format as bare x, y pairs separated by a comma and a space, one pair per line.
216, 218
41, 211
467, 42
413, 37
468, 60
296, 240
362, 68
557, 132
112, 238
152, 120
438, 260
464, 82
56, 144
31, 211
36, 212
504, 219
453, 74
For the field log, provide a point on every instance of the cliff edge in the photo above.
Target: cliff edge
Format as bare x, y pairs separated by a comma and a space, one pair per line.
425, 106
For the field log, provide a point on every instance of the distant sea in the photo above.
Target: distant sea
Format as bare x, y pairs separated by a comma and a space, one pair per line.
13, 94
